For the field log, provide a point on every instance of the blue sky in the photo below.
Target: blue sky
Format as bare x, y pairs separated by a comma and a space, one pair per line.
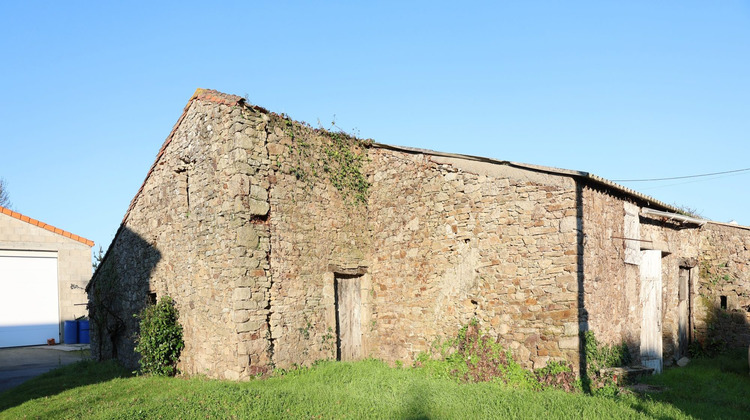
625, 90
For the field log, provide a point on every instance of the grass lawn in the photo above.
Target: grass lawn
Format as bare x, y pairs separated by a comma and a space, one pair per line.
706, 389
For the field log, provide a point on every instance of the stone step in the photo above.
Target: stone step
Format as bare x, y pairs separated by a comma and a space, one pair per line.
627, 373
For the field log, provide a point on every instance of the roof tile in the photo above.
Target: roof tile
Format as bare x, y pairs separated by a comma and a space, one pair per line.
42, 225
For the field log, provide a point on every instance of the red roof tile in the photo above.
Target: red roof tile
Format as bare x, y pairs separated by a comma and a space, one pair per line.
45, 226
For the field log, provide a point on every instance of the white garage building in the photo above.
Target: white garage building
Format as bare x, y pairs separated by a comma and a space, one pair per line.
43, 274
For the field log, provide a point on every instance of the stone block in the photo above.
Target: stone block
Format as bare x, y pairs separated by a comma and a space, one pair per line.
245, 304
258, 207
246, 280
245, 168
240, 316
683, 362
570, 329
568, 224
258, 193
567, 279
238, 185
242, 293
252, 346
540, 361
275, 149
231, 375
248, 326
569, 342
247, 236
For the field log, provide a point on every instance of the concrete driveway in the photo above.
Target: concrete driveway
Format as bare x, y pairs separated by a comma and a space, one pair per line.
19, 364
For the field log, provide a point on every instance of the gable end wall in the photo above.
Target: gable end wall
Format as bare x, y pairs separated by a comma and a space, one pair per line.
197, 232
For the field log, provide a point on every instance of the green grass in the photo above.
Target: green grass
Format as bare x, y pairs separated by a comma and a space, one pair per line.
715, 388
366, 389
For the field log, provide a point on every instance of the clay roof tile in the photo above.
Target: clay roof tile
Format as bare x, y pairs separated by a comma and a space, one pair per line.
42, 225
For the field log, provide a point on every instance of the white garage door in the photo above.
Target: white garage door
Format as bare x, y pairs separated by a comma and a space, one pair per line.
28, 298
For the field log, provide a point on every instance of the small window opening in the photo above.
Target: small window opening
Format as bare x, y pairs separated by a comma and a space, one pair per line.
187, 189
723, 302
152, 298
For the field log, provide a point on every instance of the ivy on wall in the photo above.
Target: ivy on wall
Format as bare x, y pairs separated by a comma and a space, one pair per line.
334, 156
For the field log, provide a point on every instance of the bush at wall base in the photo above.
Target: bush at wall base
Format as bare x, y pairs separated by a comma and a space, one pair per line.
159, 340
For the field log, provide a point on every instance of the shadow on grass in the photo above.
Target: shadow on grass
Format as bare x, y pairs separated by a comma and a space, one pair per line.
714, 388
417, 407
85, 372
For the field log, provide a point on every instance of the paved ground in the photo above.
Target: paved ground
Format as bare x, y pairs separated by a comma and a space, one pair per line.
19, 364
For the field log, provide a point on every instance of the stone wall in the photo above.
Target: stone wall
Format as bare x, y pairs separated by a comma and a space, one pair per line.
73, 261
724, 271
454, 240
439, 241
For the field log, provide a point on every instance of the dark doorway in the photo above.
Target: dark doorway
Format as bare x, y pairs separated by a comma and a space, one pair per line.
684, 307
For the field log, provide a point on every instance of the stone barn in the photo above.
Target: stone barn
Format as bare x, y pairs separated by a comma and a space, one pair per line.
282, 244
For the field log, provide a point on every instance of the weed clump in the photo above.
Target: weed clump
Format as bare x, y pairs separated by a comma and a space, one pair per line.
473, 356
558, 375
600, 356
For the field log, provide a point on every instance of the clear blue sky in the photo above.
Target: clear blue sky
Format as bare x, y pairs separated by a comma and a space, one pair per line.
629, 89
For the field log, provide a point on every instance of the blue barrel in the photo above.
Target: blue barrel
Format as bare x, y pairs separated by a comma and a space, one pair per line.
70, 332
83, 331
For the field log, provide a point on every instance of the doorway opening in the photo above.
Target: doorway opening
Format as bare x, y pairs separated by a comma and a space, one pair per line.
348, 306
684, 311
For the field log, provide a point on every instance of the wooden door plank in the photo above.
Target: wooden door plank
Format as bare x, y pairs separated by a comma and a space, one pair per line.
349, 314
356, 318
651, 295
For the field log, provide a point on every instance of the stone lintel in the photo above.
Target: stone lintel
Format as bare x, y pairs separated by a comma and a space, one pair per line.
348, 270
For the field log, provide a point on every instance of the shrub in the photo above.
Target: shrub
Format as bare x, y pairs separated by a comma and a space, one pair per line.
160, 338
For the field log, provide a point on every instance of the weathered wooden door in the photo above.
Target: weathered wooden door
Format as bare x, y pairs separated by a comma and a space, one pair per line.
651, 340
683, 310
348, 317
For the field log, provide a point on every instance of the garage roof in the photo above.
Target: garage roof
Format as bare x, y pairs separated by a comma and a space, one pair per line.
43, 225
